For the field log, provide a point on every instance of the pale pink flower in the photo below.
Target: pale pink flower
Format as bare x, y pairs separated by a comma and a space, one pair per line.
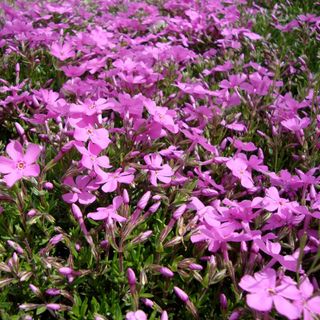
239, 168
62, 51
80, 190
263, 287
109, 214
112, 179
20, 165
158, 171
99, 136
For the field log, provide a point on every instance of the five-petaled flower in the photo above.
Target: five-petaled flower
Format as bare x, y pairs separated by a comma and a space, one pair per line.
21, 164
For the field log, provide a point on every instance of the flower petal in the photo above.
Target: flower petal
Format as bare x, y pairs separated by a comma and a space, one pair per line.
11, 178
286, 308
259, 301
14, 150
31, 170
6, 165
32, 153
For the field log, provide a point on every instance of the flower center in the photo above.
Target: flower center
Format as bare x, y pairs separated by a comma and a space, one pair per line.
92, 106
21, 165
271, 291
90, 131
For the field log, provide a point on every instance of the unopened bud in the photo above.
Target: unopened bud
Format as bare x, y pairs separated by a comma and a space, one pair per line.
164, 315
125, 197
149, 303
56, 239
223, 302
144, 200
166, 272
48, 186
132, 280
15, 246
76, 212
142, 237
19, 129
179, 212
35, 290
53, 306
195, 266
181, 294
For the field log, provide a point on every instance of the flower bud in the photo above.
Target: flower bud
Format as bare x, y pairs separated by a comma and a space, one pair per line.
234, 315
53, 292
166, 272
142, 237
31, 213
53, 306
19, 129
15, 246
56, 239
35, 289
181, 294
125, 197
149, 303
132, 280
66, 271
76, 212
195, 266
48, 186
164, 315
154, 207
179, 212
144, 200
136, 315
223, 302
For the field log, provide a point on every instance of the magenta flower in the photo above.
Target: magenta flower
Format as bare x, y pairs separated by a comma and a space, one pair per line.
109, 214
90, 107
80, 190
157, 170
296, 124
239, 168
273, 201
263, 287
308, 304
136, 315
99, 136
91, 160
162, 116
62, 51
112, 179
20, 165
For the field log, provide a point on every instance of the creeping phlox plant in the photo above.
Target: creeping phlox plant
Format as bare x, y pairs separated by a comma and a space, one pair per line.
159, 159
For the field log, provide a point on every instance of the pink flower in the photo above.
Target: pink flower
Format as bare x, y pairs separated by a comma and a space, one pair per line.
162, 116
157, 170
90, 159
113, 178
62, 52
239, 168
308, 304
273, 202
20, 165
80, 190
262, 287
136, 315
109, 214
90, 107
98, 136
296, 124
